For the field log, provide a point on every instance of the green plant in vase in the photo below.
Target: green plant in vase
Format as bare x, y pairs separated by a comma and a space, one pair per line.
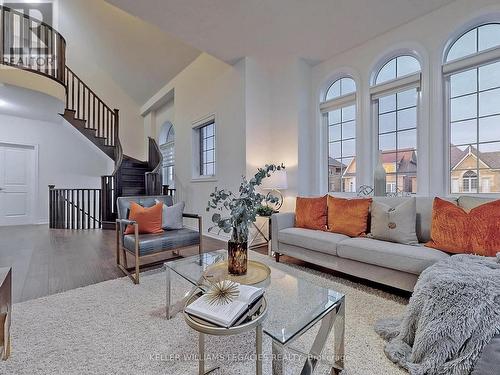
241, 212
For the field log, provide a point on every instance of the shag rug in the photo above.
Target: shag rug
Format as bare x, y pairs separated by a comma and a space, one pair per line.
116, 327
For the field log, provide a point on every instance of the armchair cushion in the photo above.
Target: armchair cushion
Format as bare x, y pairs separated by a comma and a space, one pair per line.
170, 240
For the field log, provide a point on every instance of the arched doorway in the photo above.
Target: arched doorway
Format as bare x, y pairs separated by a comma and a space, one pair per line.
167, 148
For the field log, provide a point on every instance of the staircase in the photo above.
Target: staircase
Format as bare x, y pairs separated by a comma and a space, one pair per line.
87, 113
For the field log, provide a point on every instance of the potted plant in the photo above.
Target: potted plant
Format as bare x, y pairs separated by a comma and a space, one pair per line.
242, 211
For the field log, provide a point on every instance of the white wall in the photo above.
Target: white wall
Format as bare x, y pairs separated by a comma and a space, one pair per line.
65, 157
427, 36
76, 20
206, 87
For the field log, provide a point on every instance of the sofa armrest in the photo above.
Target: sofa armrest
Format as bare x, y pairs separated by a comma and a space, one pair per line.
278, 222
191, 216
200, 221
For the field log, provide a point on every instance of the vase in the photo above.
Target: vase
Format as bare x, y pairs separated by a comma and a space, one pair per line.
237, 258
237, 253
379, 177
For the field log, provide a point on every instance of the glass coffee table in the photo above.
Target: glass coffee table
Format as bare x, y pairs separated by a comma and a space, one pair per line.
295, 306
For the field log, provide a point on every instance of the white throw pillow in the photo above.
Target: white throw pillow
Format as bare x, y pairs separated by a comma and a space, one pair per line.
395, 224
172, 216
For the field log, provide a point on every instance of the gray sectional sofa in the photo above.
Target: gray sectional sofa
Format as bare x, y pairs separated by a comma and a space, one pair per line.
388, 263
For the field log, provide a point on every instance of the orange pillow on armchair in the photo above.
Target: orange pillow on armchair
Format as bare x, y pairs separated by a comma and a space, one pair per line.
149, 219
348, 216
310, 213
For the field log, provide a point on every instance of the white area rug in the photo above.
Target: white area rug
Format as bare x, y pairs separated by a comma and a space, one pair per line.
116, 327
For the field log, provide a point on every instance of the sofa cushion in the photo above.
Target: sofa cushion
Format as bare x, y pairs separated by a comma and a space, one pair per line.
468, 203
406, 258
324, 242
424, 213
170, 240
488, 361
310, 213
348, 216
394, 224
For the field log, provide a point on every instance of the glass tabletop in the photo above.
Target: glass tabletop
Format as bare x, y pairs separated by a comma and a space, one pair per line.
294, 303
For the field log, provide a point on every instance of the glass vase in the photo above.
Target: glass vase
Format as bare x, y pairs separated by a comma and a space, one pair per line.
237, 254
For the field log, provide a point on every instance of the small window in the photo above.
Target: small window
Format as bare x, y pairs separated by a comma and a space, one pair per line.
474, 41
397, 67
207, 149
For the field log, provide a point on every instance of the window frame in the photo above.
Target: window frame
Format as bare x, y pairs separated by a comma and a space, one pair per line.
456, 66
338, 103
198, 149
393, 87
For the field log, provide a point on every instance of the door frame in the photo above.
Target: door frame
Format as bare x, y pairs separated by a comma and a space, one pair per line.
34, 214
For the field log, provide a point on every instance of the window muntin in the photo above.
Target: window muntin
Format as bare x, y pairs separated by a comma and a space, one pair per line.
474, 41
396, 68
339, 111
207, 149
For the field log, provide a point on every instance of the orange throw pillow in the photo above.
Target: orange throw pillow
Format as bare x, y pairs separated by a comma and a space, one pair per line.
148, 218
348, 216
310, 213
485, 229
449, 228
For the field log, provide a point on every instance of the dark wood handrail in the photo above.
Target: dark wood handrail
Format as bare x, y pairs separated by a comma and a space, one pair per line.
47, 56
87, 106
155, 157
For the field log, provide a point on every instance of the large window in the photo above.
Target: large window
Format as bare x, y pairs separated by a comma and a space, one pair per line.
167, 148
395, 98
207, 149
472, 72
339, 111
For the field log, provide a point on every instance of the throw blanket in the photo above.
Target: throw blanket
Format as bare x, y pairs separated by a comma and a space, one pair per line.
452, 315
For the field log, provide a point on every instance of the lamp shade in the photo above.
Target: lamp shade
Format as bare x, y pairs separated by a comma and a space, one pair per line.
277, 181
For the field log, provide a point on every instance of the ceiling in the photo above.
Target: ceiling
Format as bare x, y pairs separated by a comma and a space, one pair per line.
312, 29
138, 56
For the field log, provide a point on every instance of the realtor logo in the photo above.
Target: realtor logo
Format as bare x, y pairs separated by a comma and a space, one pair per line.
28, 35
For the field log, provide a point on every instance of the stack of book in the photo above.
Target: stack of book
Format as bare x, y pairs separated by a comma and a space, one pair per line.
234, 313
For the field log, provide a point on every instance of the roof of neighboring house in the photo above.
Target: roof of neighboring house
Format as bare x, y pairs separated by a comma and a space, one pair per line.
491, 159
406, 159
335, 163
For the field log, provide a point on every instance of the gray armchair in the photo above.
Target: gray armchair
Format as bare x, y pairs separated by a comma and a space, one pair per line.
145, 245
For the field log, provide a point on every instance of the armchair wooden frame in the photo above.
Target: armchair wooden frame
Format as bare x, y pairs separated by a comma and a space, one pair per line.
121, 251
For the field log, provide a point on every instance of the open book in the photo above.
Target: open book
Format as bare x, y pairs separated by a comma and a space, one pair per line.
226, 315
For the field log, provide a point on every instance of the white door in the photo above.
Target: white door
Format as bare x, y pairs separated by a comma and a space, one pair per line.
17, 165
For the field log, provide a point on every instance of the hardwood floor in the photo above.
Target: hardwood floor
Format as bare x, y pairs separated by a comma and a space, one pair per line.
46, 261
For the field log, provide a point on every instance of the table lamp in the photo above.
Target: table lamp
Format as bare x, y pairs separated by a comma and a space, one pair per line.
276, 182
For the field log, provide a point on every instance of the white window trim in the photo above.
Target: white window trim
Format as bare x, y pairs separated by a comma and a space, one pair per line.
196, 126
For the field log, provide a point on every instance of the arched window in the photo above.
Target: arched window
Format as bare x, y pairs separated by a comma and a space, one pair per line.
395, 100
339, 113
469, 182
167, 148
472, 75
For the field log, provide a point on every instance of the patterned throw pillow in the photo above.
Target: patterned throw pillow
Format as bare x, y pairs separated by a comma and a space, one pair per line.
395, 224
